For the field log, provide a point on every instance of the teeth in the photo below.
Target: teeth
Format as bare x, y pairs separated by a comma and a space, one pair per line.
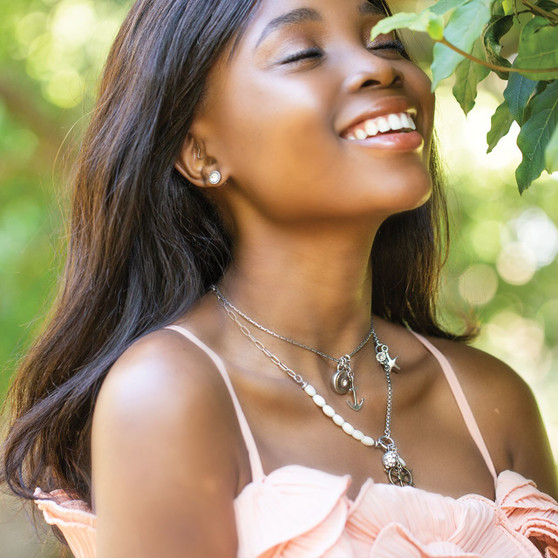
395, 122
383, 124
360, 134
373, 126
407, 121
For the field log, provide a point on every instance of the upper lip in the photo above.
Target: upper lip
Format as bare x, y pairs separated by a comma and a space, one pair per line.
382, 107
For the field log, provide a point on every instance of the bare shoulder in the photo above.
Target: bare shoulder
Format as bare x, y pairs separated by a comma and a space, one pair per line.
506, 411
164, 453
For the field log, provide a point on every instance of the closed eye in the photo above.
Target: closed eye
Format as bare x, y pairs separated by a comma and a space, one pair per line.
308, 53
394, 45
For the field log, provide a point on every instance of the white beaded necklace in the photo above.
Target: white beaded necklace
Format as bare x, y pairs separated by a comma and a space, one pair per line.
343, 380
394, 465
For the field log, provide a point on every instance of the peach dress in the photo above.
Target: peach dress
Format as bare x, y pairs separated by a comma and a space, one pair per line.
297, 511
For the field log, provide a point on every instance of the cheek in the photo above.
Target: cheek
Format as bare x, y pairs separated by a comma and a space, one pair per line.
278, 137
274, 119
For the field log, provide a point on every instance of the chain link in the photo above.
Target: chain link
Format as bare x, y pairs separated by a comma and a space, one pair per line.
231, 311
297, 378
222, 297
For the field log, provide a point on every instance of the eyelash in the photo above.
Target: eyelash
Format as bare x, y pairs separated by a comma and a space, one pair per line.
315, 52
390, 45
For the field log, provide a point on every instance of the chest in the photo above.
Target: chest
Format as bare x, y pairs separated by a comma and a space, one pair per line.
426, 424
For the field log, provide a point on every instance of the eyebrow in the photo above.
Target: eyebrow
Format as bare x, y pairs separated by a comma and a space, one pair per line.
302, 15
371, 8
299, 15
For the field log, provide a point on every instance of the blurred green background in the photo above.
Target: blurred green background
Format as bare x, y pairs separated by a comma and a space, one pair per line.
502, 267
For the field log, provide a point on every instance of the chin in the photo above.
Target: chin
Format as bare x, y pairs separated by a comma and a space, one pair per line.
402, 191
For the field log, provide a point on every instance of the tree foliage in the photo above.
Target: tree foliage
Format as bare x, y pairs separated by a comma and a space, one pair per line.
468, 40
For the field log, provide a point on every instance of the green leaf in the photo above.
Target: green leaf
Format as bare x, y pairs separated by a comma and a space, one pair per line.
551, 153
498, 8
517, 94
425, 21
463, 28
508, 6
538, 49
497, 27
500, 125
547, 5
468, 75
443, 6
535, 135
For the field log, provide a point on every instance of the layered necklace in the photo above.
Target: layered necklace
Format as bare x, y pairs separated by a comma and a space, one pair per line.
342, 382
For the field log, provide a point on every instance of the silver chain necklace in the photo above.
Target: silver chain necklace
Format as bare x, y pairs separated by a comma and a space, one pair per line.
394, 465
343, 380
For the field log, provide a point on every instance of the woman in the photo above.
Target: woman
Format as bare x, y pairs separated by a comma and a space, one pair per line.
258, 181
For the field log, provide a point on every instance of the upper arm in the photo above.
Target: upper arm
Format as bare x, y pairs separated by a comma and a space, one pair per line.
530, 449
163, 459
507, 414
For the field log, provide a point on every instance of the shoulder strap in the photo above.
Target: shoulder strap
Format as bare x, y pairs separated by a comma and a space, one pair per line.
253, 454
462, 402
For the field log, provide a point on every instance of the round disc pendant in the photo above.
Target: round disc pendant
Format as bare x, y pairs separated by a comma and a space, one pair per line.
400, 475
341, 382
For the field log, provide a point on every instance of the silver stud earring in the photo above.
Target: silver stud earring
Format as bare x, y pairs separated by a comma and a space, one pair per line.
214, 177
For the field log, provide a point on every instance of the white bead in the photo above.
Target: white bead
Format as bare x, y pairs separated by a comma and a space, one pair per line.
319, 400
328, 411
338, 420
368, 441
310, 390
358, 435
348, 428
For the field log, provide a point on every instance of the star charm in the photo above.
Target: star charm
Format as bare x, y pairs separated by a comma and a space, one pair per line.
391, 363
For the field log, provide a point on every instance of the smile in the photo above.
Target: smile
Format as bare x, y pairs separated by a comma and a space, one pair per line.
400, 122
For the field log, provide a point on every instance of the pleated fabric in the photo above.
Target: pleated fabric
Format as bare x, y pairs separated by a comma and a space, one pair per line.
299, 512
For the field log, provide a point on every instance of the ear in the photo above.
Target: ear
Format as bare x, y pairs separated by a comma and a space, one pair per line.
194, 164
190, 162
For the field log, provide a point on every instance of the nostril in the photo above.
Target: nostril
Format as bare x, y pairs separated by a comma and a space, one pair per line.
369, 83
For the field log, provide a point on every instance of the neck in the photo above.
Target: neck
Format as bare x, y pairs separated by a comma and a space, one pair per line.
313, 288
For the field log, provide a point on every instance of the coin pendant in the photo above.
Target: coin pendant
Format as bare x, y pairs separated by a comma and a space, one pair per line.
341, 382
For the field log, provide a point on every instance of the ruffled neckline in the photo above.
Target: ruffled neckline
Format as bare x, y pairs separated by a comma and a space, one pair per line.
297, 511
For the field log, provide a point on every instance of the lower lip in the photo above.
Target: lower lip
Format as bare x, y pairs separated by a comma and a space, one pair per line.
396, 141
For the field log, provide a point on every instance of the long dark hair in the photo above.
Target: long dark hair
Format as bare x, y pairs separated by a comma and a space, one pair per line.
145, 243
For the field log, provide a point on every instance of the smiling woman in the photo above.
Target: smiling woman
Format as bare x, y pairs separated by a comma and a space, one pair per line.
257, 235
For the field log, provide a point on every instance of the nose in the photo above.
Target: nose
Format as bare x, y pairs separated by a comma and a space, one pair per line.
369, 70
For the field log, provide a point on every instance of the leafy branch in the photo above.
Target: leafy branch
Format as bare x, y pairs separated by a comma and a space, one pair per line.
537, 10
467, 37
494, 67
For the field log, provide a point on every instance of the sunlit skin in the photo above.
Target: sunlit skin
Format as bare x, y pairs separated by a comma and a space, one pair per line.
304, 204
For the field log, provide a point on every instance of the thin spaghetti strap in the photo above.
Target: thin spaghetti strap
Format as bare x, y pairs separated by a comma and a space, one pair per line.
462, 402
253, 454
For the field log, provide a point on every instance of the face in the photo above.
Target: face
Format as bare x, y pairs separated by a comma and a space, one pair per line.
294, 118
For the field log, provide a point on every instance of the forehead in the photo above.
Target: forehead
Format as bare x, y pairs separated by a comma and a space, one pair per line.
273, 14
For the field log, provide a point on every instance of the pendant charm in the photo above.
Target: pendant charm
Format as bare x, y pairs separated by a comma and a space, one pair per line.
382, 356
396, 469
355, 404
343, 381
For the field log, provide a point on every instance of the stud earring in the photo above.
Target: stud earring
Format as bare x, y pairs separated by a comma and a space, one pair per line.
214, 177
